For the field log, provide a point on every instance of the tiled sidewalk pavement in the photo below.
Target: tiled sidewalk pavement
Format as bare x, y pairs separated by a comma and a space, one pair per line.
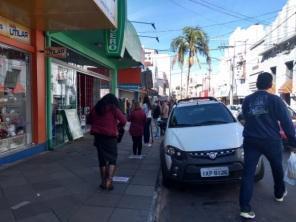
63, 186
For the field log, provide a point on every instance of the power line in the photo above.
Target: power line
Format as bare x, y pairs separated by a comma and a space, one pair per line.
188, 9
222, 10
213, 25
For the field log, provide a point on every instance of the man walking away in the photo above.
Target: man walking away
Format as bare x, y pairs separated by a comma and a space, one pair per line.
164, 116
263, 112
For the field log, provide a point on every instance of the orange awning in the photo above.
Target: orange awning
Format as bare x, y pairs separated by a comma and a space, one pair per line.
59, 15
286, 87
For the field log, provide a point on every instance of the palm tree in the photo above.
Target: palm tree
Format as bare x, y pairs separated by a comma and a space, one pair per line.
179, 46
193, 42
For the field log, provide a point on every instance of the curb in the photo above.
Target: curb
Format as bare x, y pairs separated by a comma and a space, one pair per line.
153, 213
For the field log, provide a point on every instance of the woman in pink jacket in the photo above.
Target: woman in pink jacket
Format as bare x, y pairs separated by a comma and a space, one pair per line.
104, 120
138, 119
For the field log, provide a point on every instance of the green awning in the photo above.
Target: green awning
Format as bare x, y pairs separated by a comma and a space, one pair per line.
132, 43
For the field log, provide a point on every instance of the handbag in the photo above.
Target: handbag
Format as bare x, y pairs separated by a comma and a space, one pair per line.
120, 133
127, 126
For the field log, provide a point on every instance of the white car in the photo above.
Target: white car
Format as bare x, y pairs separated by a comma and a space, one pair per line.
203, 143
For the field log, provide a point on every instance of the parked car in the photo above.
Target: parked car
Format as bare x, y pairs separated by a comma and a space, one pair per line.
235, 109
293, 117
203, 143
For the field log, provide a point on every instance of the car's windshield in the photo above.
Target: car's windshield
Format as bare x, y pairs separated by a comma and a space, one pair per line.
200, 115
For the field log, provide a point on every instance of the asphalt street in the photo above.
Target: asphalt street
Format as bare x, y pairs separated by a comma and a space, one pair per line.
219, 202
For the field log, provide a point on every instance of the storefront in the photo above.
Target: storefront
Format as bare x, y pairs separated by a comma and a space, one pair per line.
129, 83
26, 117
87, 72
15, 96
77, 82
20, 61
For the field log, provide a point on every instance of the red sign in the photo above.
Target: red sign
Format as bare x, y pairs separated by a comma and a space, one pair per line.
56, 52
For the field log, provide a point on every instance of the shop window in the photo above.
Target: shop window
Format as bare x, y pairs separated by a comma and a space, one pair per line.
273, 70
289, 69
64, 96
15, 96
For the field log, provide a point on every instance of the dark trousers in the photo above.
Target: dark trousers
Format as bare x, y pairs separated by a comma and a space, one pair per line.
253, 149
147, 130
137, 145
163, 125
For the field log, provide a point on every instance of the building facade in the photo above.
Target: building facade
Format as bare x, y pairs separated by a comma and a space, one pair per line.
54, 68
261, 48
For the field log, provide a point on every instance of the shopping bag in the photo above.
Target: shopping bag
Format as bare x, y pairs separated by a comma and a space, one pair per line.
127, 126
290, 174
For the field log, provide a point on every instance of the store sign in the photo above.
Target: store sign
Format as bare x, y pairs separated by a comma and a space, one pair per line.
15, 31
115, 37
109, 8
56, 52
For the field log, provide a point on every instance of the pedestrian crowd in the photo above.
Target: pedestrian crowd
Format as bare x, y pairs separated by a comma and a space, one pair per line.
144, 122
262, 113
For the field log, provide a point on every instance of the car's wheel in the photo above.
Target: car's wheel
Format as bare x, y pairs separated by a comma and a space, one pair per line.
166, 181
260, 174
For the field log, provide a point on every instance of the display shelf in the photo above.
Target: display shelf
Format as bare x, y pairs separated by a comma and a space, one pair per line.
12, 142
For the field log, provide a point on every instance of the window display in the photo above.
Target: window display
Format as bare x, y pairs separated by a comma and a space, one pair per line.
15, 113
64, 96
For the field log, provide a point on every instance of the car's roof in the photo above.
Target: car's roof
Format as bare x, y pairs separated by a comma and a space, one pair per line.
195, 102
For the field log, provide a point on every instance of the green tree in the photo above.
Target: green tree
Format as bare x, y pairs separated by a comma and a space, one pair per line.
193, 42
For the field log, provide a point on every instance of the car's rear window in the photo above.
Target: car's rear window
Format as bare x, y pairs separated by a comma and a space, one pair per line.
200, 115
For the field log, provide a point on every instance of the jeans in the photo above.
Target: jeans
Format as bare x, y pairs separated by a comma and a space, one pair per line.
157, 133
147, 130
137, 145
272, 150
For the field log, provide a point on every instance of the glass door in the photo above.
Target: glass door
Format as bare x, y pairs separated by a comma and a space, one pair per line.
64, 96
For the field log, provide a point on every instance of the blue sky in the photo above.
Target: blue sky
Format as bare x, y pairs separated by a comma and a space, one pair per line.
170, 16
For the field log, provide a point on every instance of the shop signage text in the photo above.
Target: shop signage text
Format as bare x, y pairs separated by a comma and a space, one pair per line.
113, 41
56, 52
15, 31
115, 37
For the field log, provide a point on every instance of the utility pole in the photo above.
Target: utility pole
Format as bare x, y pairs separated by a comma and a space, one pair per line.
232, 78
170, 83
232, 66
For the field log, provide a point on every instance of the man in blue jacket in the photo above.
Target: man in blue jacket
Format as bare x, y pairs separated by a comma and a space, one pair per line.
263, 112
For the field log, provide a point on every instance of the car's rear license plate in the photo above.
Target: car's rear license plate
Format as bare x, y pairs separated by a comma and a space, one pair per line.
214, 172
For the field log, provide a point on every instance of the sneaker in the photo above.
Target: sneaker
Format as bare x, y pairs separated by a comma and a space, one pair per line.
149, 145
248, 215
281, 199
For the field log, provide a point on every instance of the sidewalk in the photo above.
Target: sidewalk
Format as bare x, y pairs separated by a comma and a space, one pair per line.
63, 186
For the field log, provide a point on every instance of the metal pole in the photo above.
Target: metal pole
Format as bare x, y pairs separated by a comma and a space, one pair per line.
232, 78
170, 83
